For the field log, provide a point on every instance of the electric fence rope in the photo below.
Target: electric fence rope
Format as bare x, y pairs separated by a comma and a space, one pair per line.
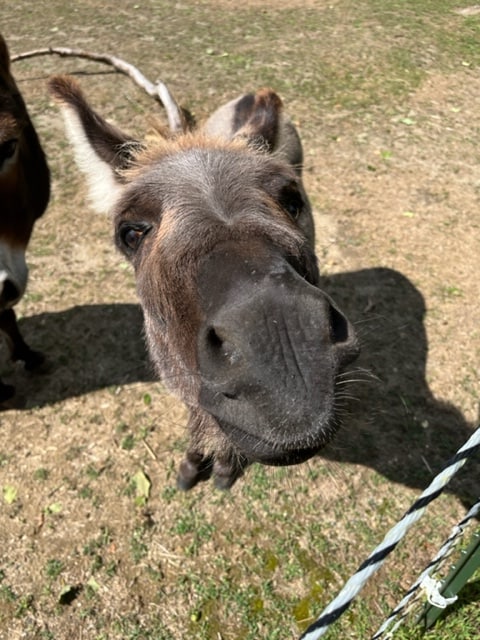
352, 587
403, 606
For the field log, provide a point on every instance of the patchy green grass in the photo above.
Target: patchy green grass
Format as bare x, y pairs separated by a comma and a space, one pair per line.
95, 540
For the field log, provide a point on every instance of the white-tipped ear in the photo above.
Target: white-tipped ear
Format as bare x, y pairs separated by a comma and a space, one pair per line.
104, 189
101, 150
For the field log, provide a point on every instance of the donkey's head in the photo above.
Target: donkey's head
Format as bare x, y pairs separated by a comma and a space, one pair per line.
219, 230
24, 184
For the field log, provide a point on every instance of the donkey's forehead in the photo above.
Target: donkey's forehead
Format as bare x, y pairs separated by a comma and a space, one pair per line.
192, 176
205, 165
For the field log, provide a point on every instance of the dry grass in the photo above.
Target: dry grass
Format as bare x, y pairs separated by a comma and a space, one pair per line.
387, 97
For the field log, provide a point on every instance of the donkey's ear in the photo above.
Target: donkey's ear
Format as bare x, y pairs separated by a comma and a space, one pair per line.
4, 55
257, 117
101, 150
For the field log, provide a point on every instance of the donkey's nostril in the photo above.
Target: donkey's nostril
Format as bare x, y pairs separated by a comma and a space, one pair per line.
213, 339
338, 326
219, 349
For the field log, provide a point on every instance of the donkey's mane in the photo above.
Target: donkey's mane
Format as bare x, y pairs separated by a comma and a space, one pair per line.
158, 145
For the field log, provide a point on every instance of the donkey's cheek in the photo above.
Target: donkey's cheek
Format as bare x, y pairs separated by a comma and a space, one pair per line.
173, 357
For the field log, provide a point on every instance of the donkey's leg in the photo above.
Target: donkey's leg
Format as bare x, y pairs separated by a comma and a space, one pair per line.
19, 349
194, 468
229, 465
226, 468
196, 465
226, 465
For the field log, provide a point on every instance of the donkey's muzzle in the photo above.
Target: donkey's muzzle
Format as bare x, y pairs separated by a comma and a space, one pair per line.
269, 352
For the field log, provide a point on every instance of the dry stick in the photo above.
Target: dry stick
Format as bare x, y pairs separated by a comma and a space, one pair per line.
158, 91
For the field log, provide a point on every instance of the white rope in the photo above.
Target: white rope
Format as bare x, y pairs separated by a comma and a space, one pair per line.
343, 600
423, 580
432, 589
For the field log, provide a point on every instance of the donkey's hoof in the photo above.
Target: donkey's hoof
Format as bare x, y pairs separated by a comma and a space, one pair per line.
185, 484
224, 483
191, 474
225, 474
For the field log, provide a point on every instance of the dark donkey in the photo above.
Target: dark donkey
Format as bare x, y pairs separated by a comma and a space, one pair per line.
24, 195
220, 233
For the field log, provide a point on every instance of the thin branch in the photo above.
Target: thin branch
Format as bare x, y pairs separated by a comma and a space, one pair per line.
158, 91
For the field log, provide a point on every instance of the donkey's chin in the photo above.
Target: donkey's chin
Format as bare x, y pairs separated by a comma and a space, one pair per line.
258, 449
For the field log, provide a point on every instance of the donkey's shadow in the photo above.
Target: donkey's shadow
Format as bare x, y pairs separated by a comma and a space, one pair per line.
87, 347
396, 425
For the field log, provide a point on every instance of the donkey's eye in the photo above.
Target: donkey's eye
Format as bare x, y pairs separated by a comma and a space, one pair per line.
291, 201
7, 149
132, 234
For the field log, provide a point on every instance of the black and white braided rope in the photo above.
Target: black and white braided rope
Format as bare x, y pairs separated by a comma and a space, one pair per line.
401, 609
352, 587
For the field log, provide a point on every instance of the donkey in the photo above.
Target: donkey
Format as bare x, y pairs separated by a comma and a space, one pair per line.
24, 196
218, 227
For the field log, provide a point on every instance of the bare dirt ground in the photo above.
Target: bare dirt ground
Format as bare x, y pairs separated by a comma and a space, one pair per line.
387, 103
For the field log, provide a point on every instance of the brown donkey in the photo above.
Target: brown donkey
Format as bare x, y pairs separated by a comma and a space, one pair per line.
219, 230
24, 195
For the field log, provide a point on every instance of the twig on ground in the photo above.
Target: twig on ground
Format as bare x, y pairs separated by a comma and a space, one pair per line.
158, 91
